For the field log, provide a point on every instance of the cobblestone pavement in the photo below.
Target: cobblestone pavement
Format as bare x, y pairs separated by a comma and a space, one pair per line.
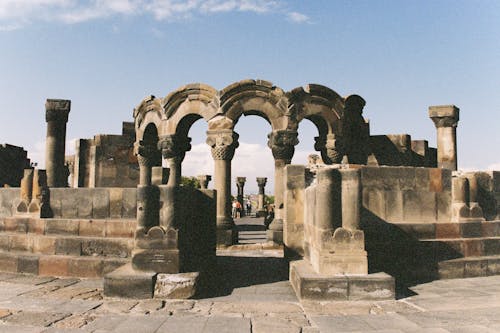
253, 296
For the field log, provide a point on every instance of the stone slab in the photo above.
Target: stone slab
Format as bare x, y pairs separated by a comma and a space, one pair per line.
129, 283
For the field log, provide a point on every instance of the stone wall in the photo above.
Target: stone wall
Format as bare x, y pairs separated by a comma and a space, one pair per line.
106, 161
401, 150
13, 161
406, 194
97, 203
489, 193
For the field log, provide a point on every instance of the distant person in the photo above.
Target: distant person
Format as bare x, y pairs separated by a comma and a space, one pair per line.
234, 209
238, 209
249, 208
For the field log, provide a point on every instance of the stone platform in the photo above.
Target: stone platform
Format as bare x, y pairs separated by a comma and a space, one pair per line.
312, 286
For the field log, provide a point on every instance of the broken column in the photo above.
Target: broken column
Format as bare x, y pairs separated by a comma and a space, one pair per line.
223, 144
240, 184
204, 180
261, 182
26, 191
56, 116
445, 118
282, 144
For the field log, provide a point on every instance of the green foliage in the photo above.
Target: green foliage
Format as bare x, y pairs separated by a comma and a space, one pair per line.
269, 199
190, 182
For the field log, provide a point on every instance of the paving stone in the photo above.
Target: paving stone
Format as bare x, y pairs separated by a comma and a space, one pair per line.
194, 324
328, 324
148, 306
117, 306
30, 318
227, 325
275, 325
143, 324
104, 323
255, 307
20, 329
388, 321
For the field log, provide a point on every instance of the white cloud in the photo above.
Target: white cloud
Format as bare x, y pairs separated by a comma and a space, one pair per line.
296, 17
14, 14
494, 167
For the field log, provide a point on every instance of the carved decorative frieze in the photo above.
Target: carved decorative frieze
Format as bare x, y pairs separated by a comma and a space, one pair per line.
282, 144
223, 144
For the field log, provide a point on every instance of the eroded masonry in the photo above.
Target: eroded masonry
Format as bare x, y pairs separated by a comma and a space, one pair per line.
371, 211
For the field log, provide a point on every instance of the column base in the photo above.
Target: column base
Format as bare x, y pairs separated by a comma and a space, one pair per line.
275, 236
156, 260
127, 282
227, 237
309, 285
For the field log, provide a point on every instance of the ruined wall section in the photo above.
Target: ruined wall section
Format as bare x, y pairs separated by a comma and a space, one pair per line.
401, 150
106, 160
13, 161
489, 193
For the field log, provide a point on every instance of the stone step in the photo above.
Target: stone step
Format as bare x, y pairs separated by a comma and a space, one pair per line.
469, 267
451, 230
467, 247
77, 227
66, 245
58, 265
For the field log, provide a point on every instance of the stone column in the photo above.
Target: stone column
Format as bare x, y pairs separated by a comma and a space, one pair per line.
56, 116
174, 148
446, 117
240, 183
475, 210
223, 144
350, 198
282, 144
261, 182
204, 180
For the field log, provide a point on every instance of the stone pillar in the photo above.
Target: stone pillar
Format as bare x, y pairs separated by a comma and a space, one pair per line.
327, 215
446, 117
475, 210
26, 191
223, 144
240, 183
204, 180
350, 198
282, 144
261, 182
174, 148
330, 147
39, 186
459, 199
56, 115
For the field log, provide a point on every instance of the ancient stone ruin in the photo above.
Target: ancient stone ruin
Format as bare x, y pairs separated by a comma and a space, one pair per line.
371, 214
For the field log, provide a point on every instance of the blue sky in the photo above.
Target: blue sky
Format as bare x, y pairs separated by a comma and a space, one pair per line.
401, 56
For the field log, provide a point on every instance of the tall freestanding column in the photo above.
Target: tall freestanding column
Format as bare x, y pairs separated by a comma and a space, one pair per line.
445, 117
240, 184
56, 115
174, 148
223, 144
282, 144
261, 182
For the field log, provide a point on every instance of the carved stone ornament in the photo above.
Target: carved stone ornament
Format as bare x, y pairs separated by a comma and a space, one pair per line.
174, 146
445, 121
145, 153
223, 144
57, 110
282, 144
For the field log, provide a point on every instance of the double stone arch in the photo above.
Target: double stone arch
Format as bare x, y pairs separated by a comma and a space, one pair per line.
162, 124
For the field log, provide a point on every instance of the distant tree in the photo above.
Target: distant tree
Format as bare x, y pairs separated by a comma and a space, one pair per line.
190, 182
269, 199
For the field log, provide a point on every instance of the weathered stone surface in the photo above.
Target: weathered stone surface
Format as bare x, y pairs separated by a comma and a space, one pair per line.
129, 283
180, 285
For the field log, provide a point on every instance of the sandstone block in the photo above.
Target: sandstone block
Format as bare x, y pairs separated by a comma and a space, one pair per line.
115, 202
44, 245
53, 265
27, 264
8, 262
91, 228
85, 267
180, 285
68, 246
129, 283
129, 208
100, 203
61, 227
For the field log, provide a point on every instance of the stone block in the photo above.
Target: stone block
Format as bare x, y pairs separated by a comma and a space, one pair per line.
120, 228
129, 204
448, 230
107, 247
56, 208
85, 267
378, 286
490, 228
110, 264
275, 236
115, 202
226, 237
20, 242
451, 269
157, 260
8, 262
27, 264
53, 265
443, 203
92, 228
69, 204
16, 224
374, 201
4, 242
394, 206
36, 226
129, 283
180, 285
61, 227
436, 181
84, 208
491, 246
475, 268
422, 179
473, 247
493, 266
419, 230
100, 203
68, 246
44, 245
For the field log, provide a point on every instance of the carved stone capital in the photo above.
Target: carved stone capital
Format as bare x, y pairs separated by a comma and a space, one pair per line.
331, 148
261, 181
146, 153
57, 110
223, 144
282, 144
240, 181
204, 180
444, 115
172, 146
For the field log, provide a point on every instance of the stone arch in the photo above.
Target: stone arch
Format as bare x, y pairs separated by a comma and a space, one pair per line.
149, 111
255, 97
186, 105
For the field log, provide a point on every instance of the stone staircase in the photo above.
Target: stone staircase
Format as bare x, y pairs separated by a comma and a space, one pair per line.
465, 249
65, 247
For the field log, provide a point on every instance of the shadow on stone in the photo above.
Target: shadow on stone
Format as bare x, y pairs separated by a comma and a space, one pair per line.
238, 272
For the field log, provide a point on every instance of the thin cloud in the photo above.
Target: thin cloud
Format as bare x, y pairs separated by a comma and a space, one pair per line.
15, 14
